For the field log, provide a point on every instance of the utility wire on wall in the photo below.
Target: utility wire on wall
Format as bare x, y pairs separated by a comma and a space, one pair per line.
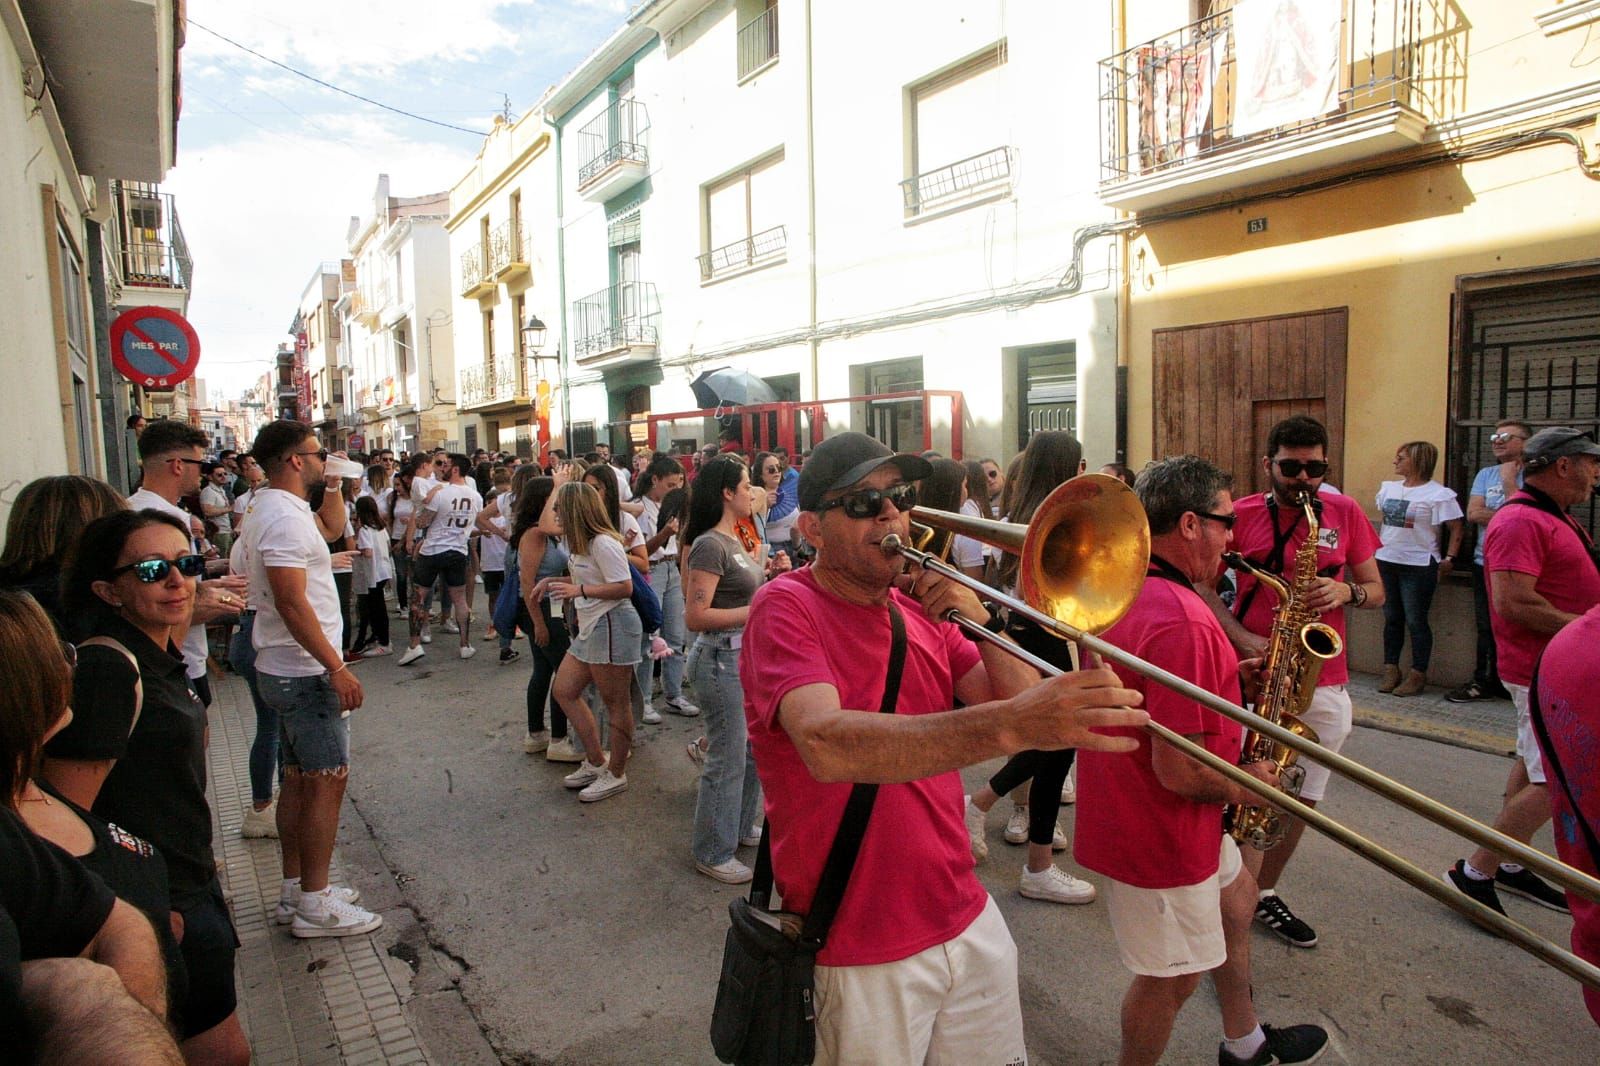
330, 85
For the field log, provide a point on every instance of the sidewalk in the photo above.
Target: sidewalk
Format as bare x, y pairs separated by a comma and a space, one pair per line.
351, 1000
1488, 725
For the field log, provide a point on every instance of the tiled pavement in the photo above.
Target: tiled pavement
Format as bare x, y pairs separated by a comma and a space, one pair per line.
301, 1001
1488, 725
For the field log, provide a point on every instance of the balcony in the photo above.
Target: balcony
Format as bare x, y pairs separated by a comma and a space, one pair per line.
612, 155
979, 178
476, 280
154, 252
500, 383
758, 43
757, 250
364, 307
1225, 103
615, 326
508, 251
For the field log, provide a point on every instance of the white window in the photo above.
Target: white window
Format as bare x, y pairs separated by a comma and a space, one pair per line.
956, 148
744, 218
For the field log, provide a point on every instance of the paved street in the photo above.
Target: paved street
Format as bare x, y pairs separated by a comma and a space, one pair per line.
566, 933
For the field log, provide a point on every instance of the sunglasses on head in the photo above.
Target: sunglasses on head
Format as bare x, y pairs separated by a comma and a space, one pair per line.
866, 503
149, 571
1502, 438
1292, 467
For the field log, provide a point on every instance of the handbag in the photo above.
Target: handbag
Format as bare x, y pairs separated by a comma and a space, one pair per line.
765, 1013
510, 598
645, 600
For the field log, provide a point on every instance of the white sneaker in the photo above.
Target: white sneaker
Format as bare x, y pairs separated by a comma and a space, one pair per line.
562, 751
1055, 885
586, 774
975, 821
751, 839
331, 917
732, 872
377, 650
679, 705
262, 824
1069, 787
534, 743
604, 786
1017, 826
288, 905
468, 651
651, 715
427, 634
411, 655
1058, 839
450, 626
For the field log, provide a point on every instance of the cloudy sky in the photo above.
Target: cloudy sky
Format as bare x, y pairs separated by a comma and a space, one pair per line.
271, 166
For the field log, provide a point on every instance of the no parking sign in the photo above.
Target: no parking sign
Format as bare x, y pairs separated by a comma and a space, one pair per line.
154, 347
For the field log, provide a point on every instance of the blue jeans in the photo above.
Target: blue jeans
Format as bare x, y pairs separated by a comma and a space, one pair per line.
668, 584
1408, 595
729, 799
315, 732
264, 748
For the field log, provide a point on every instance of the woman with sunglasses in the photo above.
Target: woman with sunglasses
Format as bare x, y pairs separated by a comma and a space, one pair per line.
134, 753
1051, 459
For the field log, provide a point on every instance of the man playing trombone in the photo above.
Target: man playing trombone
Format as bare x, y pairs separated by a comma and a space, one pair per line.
1150, 820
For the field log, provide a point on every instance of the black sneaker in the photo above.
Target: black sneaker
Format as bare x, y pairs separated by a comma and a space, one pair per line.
1297, 1043
1526, 883
509, 655
1471, 692
1482, 891
1275, 914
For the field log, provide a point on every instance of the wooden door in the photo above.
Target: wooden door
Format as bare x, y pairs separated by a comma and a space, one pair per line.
1219, 388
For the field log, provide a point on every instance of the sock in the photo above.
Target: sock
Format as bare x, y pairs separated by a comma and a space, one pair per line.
290, 889
1246, 1046
1511, 868
1265, 892
1473, 872
315, 902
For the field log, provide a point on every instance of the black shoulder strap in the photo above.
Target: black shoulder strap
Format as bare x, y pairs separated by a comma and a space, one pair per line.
1272, 563
1540, 500
852, 827
1536, 713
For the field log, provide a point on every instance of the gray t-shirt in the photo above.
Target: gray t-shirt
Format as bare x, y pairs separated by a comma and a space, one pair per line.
738, 576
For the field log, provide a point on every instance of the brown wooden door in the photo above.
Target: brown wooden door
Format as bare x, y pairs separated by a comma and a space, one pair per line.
1220, 387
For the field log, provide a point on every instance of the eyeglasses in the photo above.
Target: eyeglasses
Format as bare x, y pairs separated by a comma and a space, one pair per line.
1224, 520
320, 453
149, 571
993, 475
1502, 438
866, 503
1292, 467
181, 459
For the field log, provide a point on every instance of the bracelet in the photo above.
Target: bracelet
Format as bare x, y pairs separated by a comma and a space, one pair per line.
582, 593
342, 666
1358, 593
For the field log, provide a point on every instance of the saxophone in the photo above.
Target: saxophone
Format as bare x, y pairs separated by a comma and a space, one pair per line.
1297, 647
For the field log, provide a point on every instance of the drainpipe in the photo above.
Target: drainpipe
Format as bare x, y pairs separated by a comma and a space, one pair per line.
814, 344
561, 296
1124, 260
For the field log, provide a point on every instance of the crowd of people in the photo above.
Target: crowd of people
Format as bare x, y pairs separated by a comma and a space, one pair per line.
639, 580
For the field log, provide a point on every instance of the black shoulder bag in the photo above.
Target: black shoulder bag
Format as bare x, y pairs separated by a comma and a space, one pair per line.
765, 1014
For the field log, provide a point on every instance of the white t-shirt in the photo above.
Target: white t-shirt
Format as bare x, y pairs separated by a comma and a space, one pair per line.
241, 504
1409, 521
632, 535
491, 549
194, 641
650, 525
624, 483
403, 508
381, 566
606, 562
216, 496
282, 533
966, 553
455, 508
421, 485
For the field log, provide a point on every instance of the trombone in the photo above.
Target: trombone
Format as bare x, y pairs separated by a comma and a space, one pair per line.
1082, 561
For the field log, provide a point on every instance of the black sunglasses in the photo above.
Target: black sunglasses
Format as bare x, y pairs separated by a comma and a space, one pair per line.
320, 453
866, 503
149, 571
1292, 467
1226, 520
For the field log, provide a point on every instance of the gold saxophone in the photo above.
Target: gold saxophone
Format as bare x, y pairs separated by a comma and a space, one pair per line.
1296, 649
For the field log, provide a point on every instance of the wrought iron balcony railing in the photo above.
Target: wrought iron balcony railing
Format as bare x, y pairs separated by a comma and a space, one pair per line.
154, 251
973, 176
758, 42
617, 317
507, 248
615, 135
768, 246
502, 381
475, 269
1222, 84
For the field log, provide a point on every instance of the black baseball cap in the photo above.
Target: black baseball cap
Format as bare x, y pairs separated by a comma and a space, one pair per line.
841, 461
1553, 442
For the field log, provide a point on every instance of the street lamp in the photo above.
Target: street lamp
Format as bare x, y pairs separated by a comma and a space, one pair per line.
533, 334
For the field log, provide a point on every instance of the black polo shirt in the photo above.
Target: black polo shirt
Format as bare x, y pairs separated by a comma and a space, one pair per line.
157, 789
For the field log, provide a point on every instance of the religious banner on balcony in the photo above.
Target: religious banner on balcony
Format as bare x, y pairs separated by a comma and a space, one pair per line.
1175, 84
1286, 58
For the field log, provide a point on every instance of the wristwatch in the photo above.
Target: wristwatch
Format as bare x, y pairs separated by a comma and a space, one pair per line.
1358, 593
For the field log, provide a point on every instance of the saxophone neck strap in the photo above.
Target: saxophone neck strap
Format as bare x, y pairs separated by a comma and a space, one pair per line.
1164, 570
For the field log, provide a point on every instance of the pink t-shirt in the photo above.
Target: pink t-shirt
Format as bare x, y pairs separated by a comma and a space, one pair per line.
1129, 826
913, 885
1526, 540
1569, 696
1345, 538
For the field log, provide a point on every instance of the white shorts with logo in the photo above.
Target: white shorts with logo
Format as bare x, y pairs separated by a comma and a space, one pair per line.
1527, 741
1168, 932
950, 1005
1331, 716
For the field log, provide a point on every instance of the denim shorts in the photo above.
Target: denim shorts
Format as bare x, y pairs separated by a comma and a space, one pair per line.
615, 638
452, 566
314, 732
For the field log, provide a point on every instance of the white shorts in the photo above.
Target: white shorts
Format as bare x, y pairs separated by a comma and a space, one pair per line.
1527, 741
949, 1005
1331, 716
1168, 932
